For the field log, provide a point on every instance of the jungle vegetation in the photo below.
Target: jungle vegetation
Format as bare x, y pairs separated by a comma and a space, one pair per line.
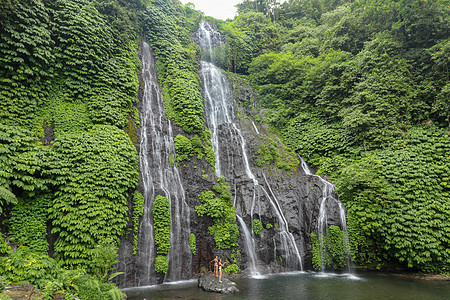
68, 85
360, 89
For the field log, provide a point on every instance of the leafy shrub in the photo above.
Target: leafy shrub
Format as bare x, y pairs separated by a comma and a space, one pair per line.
212, 206
161, 264
257, 226
395, 198
235, 254
225, 234
78, 284
63, 283
4, 247
89, 287
104, 258
271, 151
315, 139
197, 146
93, 173
210, 157
171, 44
26, 266
22, 164
69, 117
223, 189
359, 96
183, 146
25, 59
62, 65
107, 109
3, 283
221, 211
233, 268
188, 147
6, 197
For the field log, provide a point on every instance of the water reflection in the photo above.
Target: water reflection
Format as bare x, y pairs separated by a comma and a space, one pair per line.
307, 285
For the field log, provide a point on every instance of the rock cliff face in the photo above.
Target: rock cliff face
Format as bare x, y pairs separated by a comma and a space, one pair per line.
294, 195
286, 202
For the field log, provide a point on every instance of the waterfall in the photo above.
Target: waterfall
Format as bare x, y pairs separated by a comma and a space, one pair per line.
322, 223
229, 145
250, 247
160, 177
254, 126
216, 91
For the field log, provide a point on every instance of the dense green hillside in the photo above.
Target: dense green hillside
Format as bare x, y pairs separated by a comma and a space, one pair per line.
361, 91
68, 82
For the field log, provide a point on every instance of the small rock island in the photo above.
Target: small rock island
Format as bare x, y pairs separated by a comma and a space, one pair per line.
210, 283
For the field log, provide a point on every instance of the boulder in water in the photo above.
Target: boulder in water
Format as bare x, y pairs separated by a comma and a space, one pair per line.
210, 283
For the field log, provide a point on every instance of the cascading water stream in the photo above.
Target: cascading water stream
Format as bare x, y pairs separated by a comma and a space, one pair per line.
249, 243
322, 224
220, 117
254, 126
250, 246
160, 177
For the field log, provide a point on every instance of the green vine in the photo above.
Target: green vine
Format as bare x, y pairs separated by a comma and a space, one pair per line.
192, 243
161, 224
91, 193
161, 264
217, 205
28, 223
257, 226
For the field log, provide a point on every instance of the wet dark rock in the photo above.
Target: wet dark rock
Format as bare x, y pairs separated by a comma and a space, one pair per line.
210, 283
49, 135
298, 196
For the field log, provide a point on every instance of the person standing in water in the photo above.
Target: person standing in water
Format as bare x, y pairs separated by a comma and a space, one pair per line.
216, 266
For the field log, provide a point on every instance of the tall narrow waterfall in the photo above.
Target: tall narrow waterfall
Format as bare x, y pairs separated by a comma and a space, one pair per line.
322, 224
159, 177
232, 160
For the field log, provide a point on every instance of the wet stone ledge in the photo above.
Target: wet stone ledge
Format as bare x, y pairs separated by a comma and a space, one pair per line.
210, 283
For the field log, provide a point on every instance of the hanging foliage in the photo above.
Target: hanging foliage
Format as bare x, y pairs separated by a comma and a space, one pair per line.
93, 172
